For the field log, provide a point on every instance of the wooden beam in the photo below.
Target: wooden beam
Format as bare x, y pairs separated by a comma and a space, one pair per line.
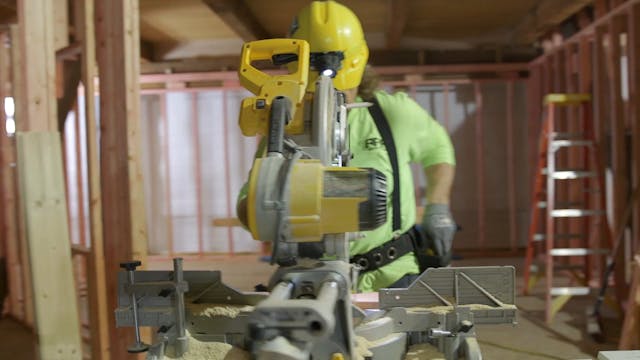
60, 23
38, 64
600, 8
544, 15
630, 334
237, 15
71, 80
124, 226
20, 101
633, 43
99, 311
147, 50
8, 198
620, 183
42, 186
397, 21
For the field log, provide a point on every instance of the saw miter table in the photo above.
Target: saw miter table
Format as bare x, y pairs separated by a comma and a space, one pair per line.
303, 192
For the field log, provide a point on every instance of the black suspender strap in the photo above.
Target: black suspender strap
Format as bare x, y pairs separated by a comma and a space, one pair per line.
387, 138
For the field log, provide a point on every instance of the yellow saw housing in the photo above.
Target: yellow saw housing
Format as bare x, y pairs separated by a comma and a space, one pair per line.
254, 111
318, 199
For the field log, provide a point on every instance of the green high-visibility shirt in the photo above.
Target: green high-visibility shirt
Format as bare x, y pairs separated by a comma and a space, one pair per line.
418, 138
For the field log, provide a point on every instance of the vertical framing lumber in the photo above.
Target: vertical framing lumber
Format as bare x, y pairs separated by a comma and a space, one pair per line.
60, 23
195, 133
618, 145
38, 64
227, 166
633, 51
99, 311
42, 187
511, 177
167, 173
17, 82
480, 165
9, 221
630, 334
124, 223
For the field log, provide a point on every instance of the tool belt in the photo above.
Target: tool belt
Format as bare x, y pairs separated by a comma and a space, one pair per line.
411, 241
387, 252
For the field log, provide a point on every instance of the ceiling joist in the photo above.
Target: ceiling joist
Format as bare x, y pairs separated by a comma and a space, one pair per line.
545, 15
396, 23
237, 15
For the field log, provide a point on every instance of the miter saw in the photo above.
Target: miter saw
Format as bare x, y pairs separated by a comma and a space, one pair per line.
304, 192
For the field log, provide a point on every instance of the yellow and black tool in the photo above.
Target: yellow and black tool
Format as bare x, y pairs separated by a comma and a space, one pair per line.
302, 190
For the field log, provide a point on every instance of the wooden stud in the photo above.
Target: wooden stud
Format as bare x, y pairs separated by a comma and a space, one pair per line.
630, 334
620, 183
99, 311
17, 82
38, 64
8, 198
60, 24
480, 180
601, 7
227, 166
397, 21
511, 177
633, 49
124, 223
42, 187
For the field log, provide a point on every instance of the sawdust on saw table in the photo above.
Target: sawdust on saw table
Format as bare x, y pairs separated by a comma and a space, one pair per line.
199, 350
211, 310
423, 352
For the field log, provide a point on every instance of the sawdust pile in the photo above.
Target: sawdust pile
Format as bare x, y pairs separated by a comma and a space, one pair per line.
211, 310
199, 350
362, 348
446, 309
423, 352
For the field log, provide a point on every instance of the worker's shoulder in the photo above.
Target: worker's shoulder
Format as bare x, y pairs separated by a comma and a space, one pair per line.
399, 105
398, 98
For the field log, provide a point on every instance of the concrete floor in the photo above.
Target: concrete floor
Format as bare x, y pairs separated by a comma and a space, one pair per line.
530, 339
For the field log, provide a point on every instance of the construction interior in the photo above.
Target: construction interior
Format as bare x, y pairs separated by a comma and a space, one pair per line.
120, 141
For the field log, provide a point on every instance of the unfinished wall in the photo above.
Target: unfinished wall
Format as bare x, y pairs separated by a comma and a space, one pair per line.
195, 160
483, 200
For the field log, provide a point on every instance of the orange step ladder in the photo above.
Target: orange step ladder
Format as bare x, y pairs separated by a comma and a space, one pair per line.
564, 255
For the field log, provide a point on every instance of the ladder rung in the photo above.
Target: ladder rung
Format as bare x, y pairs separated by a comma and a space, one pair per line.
576, 251
566, 98
568, 267
582, 290
543, 204
541, 237
565, 143
575, 212
566, 135
573, 174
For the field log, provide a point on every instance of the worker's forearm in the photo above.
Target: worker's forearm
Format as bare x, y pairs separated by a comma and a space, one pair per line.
439, 182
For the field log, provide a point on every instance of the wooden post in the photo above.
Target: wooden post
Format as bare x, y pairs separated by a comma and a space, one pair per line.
9, 221
124, 226
60, 24
633, 46
38, 64
42, 188
618, 147
99, 312
17, 82
630, 334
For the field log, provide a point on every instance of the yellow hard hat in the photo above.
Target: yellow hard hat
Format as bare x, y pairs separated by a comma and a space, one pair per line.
336, 42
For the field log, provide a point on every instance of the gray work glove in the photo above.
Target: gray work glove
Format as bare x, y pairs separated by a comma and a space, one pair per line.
439, 226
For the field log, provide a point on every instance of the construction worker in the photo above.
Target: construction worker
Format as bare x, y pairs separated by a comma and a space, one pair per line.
334, 31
